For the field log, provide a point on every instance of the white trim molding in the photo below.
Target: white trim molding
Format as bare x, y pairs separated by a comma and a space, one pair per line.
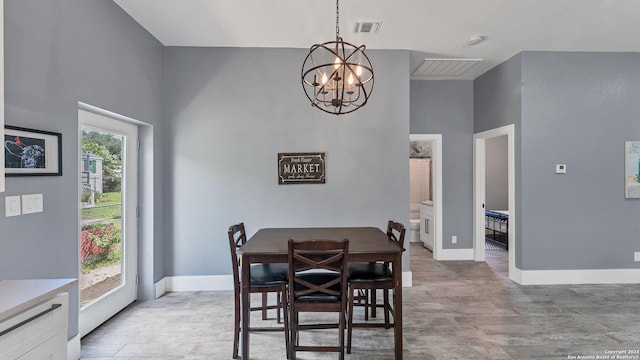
479, 193
160, 288
2, 180
73, 348
523, 277
577, 277
407, 279
199, 283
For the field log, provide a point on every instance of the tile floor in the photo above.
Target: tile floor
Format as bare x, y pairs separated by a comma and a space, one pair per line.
455, 310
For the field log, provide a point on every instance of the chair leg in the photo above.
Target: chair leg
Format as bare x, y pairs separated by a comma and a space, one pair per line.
286, 320
278, 306
236, 332
341, 331
293, 330
362, 298
264, 306
374, 295
386, 305
350, 325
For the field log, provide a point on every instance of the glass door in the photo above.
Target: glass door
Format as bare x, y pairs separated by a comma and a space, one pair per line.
108, 217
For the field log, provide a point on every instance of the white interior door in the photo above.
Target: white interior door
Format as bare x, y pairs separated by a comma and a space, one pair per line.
108, 217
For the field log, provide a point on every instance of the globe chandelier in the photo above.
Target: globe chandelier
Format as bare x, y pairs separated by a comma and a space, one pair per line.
337, 76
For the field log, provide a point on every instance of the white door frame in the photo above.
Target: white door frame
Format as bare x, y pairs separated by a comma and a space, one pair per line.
2, 91
436, 161
479, 165
99, 311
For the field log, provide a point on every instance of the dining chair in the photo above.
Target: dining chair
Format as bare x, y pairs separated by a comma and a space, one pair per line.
364, 281
317, 283
264, 279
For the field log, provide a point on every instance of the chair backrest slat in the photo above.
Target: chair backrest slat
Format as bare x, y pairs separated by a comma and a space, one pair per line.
322, 257
395, 232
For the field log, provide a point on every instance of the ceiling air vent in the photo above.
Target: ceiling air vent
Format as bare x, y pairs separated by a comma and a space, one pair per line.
444, 67
369, 26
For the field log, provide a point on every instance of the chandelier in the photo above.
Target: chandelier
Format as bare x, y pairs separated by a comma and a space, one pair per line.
337, 76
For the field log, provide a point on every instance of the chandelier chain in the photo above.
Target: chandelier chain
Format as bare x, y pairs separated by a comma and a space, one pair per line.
337, 18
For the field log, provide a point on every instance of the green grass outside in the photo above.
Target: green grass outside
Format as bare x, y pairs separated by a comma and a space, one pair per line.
108, 208
110, 198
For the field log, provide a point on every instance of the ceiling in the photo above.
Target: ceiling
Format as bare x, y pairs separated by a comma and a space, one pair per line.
428, 28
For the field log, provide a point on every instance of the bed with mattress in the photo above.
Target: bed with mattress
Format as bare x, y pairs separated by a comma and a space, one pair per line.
496, 224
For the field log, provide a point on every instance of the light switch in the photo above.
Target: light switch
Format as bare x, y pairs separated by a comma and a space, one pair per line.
11, 206
561, 168
31, 203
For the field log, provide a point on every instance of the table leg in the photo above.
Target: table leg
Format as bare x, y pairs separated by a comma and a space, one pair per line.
397, 305
246, 305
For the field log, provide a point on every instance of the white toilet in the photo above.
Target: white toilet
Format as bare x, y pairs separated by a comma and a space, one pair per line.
414, 230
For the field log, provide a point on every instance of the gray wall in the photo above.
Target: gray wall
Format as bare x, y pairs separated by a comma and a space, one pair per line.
496, 174
497, 102
59, 52
578, 109
446, 107
232, 110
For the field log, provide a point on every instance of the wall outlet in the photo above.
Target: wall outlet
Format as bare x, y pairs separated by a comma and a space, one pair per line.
636, 256
454, 239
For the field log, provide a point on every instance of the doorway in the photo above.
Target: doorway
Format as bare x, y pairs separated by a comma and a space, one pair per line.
480, 192
108, 163
426, 203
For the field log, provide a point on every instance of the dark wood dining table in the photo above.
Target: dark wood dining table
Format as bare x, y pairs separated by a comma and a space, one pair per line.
366, 244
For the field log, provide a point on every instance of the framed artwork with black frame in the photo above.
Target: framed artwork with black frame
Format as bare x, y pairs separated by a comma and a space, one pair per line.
29, 152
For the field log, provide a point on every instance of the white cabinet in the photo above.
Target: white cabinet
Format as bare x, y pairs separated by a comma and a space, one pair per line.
39, 332
426, 224
34, 315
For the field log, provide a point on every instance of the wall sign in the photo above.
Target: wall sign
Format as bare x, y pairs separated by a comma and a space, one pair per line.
301, 168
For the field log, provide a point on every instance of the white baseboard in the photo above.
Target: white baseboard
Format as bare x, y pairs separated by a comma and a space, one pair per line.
199, 283
454, 254
527, 277
575, 277
73, 348
219, 283
160, 288
407, 279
